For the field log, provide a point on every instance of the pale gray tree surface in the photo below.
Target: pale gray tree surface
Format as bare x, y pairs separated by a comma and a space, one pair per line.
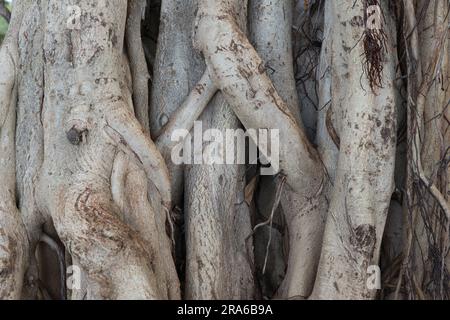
93, 205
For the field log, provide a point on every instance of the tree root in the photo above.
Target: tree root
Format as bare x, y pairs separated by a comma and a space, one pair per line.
130, 192
186, 114
13, 239
112, 254
138, 64
239, 73
123, 127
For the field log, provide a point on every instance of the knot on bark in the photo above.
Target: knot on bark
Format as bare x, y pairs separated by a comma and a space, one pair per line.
75, 136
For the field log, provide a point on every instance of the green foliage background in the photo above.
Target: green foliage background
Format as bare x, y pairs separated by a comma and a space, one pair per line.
3, 27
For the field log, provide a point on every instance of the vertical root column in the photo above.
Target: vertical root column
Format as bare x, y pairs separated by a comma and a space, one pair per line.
131, 192
13, 239
365, 170
240, 74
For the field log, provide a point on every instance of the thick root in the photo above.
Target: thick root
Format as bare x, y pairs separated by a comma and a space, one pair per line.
127, 131
130, 192
113, 255
240, 74
13, 239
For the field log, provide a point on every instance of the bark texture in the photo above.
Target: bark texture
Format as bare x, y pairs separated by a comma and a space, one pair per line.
356, 207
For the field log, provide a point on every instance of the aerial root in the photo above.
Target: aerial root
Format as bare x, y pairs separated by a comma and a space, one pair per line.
127, 132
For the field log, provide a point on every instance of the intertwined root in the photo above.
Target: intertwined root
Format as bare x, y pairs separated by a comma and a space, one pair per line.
124, 128
98, 144
239, 72
105, 186
103, 213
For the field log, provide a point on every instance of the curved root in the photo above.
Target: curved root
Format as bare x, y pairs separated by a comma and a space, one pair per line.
127, 131
145, 217
187, 113
138, 63
239, 73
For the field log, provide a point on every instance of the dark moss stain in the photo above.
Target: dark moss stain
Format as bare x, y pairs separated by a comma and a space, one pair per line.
8, 263
346, 49
363, 239
97, 52
112, 37
261, 68
199, 88
388, 130
386, 134
336, 286
357, 21
235, 47
70, 49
